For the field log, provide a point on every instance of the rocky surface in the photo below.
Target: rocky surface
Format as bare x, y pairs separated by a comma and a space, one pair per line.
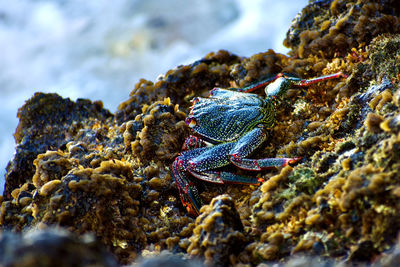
86, 170
53, 247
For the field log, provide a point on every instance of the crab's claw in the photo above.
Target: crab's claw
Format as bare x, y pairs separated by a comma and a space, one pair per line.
190, 201
188, 193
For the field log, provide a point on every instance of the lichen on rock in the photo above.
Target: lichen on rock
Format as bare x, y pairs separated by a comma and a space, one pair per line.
84, 169
218, 233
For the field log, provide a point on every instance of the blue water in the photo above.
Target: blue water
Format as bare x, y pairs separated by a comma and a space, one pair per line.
91, 49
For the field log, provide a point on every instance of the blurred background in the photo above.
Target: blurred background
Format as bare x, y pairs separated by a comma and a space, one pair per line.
98, 50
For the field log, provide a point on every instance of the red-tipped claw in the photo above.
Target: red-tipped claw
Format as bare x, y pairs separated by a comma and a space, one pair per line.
293, 160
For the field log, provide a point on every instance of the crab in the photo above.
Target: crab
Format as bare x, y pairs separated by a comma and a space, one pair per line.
230, 125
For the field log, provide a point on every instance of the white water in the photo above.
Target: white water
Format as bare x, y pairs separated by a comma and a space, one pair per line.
98, 50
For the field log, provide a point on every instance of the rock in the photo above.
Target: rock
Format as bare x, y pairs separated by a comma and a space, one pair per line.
79, 167
52, 247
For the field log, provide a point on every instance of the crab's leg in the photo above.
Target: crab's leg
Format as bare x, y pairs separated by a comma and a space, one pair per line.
304, 83
247, 144
211, 158
250, 88
278, 88
199, 163
202, 166
254, 86
223, 177
293, 80
262, 164
187, 191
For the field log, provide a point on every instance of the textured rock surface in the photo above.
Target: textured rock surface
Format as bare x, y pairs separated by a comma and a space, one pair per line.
87, 170
52, 247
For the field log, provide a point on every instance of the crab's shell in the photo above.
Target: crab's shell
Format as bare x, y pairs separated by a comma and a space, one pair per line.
228, 115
